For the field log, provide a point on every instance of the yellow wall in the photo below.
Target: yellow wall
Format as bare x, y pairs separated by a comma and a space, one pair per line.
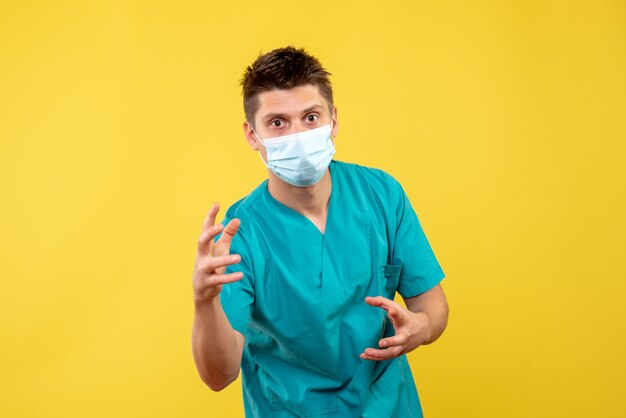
120, 123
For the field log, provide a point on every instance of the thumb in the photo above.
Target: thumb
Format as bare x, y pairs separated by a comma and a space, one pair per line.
227, 235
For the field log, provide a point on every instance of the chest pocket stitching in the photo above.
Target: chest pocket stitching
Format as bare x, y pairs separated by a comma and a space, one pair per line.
391, 270
389, 278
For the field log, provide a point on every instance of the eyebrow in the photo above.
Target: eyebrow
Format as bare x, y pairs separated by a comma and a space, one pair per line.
282, 115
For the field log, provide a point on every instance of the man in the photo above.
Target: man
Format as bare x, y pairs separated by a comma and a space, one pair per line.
296, 285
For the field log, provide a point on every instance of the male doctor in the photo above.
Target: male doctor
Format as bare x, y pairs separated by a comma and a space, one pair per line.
295, 286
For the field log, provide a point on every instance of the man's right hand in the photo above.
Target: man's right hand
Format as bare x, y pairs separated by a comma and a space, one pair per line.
217, 347
213, 257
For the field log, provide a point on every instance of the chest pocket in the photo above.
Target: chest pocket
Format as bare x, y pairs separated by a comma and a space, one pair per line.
390, 277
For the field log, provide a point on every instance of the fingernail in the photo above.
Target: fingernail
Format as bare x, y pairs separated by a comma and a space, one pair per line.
234, 258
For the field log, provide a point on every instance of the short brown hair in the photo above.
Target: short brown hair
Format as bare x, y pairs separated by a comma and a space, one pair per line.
283, 68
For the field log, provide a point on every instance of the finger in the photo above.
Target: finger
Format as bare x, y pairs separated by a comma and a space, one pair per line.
209, 220
396, 317
210, 264
395, 341
377, 355
218, 279
381, 302
204, 242
229, 232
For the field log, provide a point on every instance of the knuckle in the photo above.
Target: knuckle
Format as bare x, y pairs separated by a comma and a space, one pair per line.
209, 281
199, 284
202, 238
207, 264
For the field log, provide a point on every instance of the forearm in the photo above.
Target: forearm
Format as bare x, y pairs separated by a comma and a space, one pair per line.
434, 305
216, 346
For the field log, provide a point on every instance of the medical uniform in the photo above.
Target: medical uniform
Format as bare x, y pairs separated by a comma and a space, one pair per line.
300, 304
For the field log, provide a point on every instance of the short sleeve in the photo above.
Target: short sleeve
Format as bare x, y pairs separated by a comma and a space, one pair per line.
420, 269
237, 297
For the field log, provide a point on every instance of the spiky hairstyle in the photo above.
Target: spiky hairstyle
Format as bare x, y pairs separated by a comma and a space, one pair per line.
283, 68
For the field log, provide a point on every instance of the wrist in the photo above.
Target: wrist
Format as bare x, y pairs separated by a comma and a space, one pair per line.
206, 304
426, 326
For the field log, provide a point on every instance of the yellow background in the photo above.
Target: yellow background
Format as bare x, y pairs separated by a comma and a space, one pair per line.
120, 124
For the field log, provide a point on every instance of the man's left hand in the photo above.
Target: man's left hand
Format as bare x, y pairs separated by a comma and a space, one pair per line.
412, 330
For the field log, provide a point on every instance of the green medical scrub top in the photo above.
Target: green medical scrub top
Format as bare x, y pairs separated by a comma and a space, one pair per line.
300, 304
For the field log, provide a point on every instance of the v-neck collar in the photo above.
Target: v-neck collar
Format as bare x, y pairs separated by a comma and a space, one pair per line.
295, 214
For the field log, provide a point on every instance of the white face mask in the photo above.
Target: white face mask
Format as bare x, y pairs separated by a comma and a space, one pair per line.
300, 159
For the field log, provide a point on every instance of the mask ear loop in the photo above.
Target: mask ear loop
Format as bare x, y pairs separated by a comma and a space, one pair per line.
261, 157
257, 137
262, 143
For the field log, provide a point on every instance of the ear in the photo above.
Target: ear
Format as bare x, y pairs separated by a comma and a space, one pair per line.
333, 133
249, 133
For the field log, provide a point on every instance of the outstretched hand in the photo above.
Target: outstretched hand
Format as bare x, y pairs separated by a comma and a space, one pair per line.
213, 257
412, 329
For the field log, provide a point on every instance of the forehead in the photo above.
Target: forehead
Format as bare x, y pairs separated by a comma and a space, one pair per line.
289, 101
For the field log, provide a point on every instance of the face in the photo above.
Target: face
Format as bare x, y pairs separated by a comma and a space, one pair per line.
284, 112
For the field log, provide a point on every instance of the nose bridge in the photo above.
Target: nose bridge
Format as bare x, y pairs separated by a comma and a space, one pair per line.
297, 126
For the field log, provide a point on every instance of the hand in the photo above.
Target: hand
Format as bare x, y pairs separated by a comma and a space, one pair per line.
213, 257
412, 330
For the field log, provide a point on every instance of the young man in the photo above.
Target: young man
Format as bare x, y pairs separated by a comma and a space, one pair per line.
297, 288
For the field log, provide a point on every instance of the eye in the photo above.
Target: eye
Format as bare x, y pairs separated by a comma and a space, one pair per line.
276, 123
312, 117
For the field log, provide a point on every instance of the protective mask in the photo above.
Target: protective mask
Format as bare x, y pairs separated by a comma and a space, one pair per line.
300, 159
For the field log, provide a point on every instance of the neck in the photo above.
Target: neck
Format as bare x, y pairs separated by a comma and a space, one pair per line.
309, 201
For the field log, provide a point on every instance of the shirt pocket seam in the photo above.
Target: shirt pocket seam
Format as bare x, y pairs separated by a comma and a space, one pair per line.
391, 271
309, 408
